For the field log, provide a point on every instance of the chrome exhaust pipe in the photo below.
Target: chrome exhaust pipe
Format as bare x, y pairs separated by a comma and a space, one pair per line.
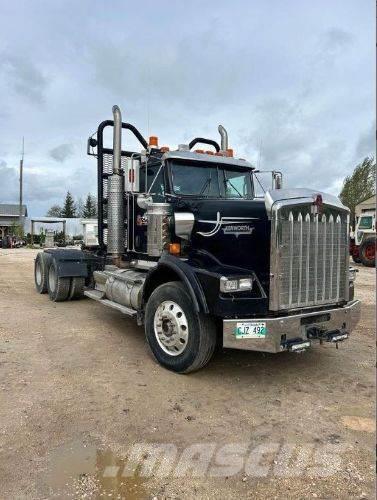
117, 139
115, 220
224, 138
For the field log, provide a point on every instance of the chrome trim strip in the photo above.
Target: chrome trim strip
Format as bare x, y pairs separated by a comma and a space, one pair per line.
316, 258
346, 284
331, 224
290, 218
299, 218
307, 220
324, 222
339, 235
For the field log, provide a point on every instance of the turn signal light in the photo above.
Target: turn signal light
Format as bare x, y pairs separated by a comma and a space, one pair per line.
175, 248
199, 150
229, 152
153, 141
164, 149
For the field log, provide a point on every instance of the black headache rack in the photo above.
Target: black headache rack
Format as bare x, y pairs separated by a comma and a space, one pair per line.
105, 168
95, 147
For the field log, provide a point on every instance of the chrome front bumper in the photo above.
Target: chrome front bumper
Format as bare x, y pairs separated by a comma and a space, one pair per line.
281, 330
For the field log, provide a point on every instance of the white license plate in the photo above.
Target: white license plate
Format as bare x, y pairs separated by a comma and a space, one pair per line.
251, 330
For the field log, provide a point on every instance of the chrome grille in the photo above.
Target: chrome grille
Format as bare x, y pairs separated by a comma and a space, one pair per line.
309, 257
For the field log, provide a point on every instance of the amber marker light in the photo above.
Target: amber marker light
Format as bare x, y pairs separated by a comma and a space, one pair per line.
153, 141
174, 248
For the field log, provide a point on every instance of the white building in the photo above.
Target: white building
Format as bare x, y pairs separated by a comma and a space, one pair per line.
365, 206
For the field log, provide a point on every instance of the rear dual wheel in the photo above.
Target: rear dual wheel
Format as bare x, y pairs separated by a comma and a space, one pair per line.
58, 288
40, 271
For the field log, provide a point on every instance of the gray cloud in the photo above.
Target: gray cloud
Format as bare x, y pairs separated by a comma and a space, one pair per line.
175, 76
24, 77
62, 152
336, 39
285, 135
286, 81
366, 144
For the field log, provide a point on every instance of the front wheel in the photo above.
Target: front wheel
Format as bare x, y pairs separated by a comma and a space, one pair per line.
181, 339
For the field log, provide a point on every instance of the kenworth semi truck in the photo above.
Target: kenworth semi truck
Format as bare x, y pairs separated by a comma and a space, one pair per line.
187, 247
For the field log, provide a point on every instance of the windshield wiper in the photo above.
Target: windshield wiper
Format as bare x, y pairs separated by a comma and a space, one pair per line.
206, 185
226, 180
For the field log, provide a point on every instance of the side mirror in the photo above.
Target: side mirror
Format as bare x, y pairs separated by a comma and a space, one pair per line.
277, 180
143, 200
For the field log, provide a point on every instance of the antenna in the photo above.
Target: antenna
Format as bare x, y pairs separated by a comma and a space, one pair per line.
148, 102
259, 155
21, 180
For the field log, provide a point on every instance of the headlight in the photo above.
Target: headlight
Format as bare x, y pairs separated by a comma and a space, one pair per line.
235, 285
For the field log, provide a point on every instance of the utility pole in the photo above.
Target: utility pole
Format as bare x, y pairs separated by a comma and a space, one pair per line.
21, 182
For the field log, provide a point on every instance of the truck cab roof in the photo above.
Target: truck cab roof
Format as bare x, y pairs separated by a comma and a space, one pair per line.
207, 158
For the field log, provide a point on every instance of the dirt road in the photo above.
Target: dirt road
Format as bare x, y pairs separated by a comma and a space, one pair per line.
79, 390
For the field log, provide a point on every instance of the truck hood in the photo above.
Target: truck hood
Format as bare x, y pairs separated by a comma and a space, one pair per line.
236, 232
303, 194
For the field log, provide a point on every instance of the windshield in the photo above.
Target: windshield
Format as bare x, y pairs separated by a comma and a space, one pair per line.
365, 222
211, 180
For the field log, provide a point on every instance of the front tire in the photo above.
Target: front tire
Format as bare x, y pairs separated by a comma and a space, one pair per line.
180, 338
367, 252
58, 287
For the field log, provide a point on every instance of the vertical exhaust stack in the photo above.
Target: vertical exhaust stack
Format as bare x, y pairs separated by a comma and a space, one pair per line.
115, 220
224, 138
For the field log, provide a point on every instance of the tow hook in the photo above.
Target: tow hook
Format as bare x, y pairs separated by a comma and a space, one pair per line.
337, 336
333, 336
296, 345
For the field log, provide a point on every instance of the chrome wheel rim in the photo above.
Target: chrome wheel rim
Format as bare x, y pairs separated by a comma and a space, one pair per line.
171, 328
52, 279
38, 273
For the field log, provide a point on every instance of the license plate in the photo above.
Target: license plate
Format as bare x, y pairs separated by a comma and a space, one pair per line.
251, 330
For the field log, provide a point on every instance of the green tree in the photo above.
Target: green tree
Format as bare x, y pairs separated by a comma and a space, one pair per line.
69, 207
79, 207
16, 230
90, 207
54, 211
359, 186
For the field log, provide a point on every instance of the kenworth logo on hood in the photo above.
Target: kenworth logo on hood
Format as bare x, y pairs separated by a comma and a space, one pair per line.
229, 225
238, 229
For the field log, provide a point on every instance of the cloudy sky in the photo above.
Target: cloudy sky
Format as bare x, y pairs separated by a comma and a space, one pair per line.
293, 82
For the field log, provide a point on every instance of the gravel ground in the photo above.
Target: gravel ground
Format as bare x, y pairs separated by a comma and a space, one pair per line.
79, 390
